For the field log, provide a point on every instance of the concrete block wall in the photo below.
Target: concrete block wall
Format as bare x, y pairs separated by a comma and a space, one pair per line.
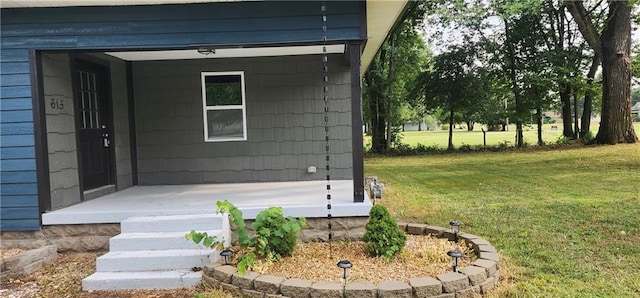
285, 121
26, 262
61, 130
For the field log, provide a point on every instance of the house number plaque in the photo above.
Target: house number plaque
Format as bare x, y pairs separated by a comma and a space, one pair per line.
56, 104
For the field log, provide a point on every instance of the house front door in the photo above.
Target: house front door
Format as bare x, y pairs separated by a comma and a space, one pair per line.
93, 121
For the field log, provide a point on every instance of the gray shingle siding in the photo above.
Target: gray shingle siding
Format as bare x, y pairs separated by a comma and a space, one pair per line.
61, 139
61, 130
285, 122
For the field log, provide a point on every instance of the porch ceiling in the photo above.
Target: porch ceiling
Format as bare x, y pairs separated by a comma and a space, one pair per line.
212, 53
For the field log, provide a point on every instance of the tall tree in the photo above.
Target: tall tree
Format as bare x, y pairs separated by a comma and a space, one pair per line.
453, 85
613, 46
401, 57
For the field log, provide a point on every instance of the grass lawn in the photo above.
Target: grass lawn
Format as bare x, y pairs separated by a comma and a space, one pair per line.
566, 223
464, 137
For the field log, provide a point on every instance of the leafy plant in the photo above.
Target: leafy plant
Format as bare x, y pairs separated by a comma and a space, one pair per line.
236, 220
275, 236
208, 241
382, 235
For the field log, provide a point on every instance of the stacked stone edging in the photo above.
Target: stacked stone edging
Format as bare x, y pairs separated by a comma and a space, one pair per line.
95, 237
27, 262
68, 238
467, 282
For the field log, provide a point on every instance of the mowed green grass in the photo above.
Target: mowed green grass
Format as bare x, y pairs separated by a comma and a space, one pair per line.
475, 137
566, 223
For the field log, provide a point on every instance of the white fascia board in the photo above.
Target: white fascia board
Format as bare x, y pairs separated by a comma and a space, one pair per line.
382, 15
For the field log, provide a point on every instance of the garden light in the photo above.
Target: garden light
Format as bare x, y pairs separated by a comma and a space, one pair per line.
455, 254
226, 253
455, 229
345, 265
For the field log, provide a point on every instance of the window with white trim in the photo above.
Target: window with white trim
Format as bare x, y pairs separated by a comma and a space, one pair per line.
223, 103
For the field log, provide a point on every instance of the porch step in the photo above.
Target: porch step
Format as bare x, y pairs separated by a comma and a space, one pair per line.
153, 260
152, 253
143, 280
157, 241
172, 223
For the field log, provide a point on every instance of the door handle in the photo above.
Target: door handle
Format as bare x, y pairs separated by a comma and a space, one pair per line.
105, 140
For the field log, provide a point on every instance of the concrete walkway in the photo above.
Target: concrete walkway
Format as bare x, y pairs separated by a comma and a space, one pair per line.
305, 198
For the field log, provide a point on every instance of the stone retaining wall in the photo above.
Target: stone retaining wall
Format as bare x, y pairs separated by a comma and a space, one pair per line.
27, 262
95, 237
73, 238
469, 281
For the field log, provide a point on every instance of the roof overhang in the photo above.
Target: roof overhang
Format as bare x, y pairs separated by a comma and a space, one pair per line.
382, 16
63, 3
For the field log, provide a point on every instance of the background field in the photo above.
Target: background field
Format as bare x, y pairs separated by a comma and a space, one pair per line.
566, 222
464, 137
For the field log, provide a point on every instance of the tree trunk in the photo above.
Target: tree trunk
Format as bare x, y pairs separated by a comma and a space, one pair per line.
378, 141
614, 47
565, 100
616, 125
539, 122
470, 125
588, 99
450, 146
576, 127
376, 111
419, 125
514, 84
390, 79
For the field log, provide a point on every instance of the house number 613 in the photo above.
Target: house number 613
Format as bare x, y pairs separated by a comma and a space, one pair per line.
57, 104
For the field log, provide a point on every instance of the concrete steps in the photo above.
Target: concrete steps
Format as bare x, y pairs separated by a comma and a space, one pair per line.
153, 241
152, 253
158, 280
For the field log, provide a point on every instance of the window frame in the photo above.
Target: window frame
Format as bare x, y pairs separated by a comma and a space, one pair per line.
206, 108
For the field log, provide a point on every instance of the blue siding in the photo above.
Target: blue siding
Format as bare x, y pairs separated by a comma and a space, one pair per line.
16, 128
175, 25
20, 201
129, 27
24, 224
17, 153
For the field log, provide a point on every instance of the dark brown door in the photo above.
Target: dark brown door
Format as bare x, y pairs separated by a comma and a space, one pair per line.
93, 122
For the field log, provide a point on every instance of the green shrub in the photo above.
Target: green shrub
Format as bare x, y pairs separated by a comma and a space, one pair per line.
382, 235
275, 236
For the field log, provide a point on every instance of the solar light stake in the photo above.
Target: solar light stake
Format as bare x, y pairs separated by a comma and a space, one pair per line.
226, 253
345, 265
455, 229
455, 254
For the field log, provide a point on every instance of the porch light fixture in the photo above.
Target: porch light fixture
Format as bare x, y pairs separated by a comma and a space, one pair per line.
455, 254
455, 229
226, 253
206, 51
345, 265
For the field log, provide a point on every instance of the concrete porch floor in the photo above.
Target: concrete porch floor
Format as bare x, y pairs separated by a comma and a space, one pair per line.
305, 198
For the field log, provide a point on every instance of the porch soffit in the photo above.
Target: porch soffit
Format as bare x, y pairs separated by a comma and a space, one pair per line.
382, 15
213, 53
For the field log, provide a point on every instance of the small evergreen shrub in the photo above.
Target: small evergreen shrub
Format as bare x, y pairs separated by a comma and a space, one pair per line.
383, 237
275, 236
